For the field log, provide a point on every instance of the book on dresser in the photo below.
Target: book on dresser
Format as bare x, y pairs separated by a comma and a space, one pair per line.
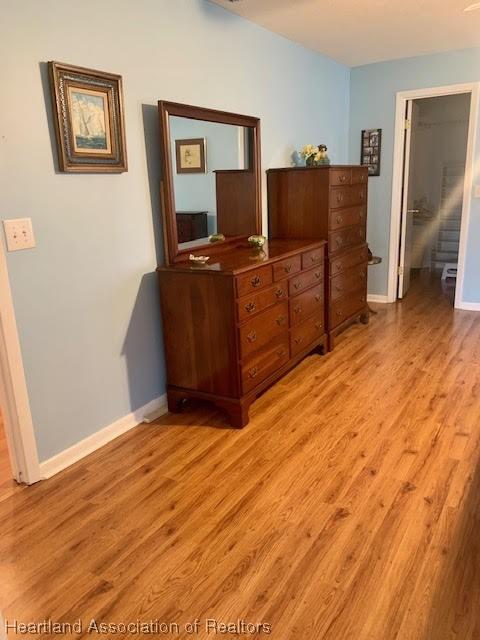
327, 202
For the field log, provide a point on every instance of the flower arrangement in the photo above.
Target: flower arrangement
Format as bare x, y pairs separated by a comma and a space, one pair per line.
315, 155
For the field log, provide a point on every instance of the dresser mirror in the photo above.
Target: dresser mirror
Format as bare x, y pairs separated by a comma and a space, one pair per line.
210, 187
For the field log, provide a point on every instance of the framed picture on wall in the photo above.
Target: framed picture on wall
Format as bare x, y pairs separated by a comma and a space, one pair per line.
191, 154
371, 150
89, 122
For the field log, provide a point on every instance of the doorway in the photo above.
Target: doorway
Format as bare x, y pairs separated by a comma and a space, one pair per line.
432, 187
7, 480
18, 448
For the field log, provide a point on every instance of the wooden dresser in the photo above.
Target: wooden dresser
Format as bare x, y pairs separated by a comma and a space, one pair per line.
331, 203
191, 225
233, 326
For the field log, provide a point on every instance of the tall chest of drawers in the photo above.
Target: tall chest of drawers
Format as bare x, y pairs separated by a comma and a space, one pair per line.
237, 324
330, 203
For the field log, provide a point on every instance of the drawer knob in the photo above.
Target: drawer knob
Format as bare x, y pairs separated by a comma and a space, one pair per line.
297, 309
363, 274
360, 233
280, 353
318, 274
250, 306
298, 340
339, 219
339, 266
287, 268
297, 285
280, 320
318, 297
339, 313
252, 336
256, 281
318, 325
339, 197
280, 293
343, 178
315, 258
253, 372
339, 241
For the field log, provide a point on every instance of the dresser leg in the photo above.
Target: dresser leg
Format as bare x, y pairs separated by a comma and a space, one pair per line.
239, 417
365, 317
174, 401
237, 413
331, 342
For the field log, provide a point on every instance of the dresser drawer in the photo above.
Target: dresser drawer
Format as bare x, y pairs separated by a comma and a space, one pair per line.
348, 196
258, 331
346, 238
349, 281
253, 280
341, 218
306, 333
358, 194
340, 177
284, 268
258, 367
250, 305
359, 175
313, 258
306, 279
307, 303
346, 307
348, 259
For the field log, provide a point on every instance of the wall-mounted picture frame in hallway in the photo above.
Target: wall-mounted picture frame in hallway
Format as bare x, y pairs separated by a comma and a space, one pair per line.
89, 119
371, 150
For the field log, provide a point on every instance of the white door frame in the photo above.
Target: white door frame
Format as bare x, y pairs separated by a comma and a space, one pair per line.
14, 400
396, 209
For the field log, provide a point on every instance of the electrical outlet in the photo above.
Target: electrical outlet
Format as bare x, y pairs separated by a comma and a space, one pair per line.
19, 234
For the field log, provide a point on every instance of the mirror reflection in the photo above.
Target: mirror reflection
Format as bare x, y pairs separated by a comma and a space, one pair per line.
212, 162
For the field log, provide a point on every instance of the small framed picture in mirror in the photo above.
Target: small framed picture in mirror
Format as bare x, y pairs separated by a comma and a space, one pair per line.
191, 155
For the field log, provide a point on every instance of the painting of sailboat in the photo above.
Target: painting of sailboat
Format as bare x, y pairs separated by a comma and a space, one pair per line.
90, 121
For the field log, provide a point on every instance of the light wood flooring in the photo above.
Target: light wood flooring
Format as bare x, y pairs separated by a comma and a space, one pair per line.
349, 507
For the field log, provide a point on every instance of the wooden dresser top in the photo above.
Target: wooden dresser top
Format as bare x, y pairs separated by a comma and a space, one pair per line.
323, 167
243, 258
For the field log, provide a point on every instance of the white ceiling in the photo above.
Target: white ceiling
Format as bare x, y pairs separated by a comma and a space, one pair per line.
359, 32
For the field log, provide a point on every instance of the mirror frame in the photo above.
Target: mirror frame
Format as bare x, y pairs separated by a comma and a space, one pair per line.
167, 197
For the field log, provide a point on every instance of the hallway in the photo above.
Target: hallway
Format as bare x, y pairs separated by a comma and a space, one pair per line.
348, 508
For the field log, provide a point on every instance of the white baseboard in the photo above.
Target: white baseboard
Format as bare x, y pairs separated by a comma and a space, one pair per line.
373, 297
469, 306
64, 459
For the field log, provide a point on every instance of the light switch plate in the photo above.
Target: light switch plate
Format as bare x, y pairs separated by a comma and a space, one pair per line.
19, 234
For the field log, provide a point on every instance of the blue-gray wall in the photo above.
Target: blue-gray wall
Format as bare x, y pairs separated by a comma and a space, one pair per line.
372, 104
86, 298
